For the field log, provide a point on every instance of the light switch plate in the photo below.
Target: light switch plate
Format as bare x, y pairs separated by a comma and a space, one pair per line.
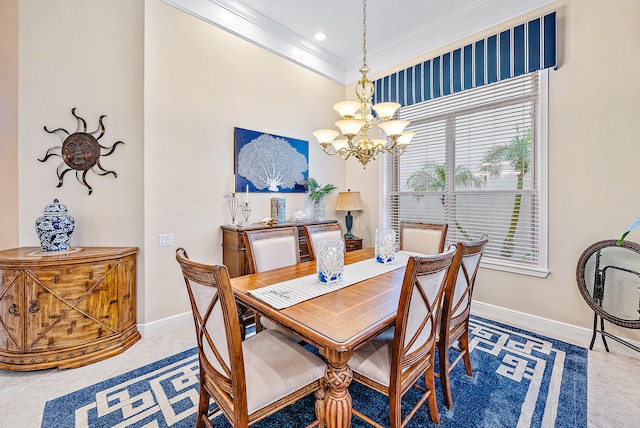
165, 240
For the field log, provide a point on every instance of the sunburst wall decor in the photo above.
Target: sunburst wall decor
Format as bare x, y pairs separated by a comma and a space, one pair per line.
80, 151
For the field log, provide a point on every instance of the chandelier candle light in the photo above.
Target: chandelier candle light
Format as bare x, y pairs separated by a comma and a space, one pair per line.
358, 119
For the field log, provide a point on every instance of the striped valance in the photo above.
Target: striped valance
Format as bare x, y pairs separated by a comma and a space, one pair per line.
522, 49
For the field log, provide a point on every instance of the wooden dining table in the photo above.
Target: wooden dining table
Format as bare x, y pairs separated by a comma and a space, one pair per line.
336, 323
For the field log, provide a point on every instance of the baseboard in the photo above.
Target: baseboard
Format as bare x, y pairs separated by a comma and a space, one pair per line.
154, 328
579, 336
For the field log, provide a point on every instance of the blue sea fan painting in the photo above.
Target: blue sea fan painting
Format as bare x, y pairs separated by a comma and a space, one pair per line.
270, 163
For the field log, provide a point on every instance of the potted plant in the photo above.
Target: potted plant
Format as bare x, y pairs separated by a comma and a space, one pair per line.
317, 193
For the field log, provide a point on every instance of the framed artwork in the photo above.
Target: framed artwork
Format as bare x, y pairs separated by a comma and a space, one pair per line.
269, 163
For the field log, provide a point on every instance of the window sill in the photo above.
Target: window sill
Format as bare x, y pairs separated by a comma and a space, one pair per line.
514, 268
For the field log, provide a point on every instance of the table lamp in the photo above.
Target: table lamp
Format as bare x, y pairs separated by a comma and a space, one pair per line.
349, 201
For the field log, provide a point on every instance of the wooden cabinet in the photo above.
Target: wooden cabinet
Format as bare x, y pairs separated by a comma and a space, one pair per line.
352, 244
234, 251
66, 310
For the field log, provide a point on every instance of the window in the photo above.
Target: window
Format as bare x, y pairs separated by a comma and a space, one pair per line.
478, 163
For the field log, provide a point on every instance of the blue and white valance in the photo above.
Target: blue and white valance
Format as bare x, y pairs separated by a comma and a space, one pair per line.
522, 49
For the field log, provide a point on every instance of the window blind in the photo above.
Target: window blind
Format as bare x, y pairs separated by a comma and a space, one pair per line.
474, 164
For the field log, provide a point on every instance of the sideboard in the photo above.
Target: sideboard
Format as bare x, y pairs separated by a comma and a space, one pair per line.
66, 309
234, 251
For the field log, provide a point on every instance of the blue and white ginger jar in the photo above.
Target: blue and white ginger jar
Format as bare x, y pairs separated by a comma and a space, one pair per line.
54, 228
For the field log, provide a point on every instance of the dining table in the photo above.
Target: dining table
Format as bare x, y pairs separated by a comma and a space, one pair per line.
337, 322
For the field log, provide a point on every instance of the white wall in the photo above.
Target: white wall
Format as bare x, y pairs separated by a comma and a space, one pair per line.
593, 154
200, 83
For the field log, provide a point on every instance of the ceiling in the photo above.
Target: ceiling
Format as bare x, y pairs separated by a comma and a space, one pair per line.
397, 30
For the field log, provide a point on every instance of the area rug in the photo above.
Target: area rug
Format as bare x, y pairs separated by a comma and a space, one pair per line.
520, 379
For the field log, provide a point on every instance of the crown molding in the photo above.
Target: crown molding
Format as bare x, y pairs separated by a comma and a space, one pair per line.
252, 26
471, 17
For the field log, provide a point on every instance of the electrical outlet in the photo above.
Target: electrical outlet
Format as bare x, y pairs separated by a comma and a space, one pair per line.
165, 240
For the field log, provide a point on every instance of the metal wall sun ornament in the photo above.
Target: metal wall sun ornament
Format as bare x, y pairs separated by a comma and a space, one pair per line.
80, 151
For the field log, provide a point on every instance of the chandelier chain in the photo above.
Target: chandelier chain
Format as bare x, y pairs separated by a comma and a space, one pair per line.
364, 33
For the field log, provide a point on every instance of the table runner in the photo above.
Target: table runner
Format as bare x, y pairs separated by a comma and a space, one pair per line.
291, 292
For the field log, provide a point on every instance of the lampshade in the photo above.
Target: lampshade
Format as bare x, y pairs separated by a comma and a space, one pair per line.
350, 126
326, 135
386, 110
349, 201
405, 138
393, 127
340, 143
347, 108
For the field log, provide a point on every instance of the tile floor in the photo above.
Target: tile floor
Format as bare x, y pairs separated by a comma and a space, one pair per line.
613, 399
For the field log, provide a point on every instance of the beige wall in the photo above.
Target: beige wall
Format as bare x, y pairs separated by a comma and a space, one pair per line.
88, 55
200, 83
593, 154
9, 123
174, 87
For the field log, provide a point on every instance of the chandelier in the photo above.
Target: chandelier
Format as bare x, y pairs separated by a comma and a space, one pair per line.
358, 120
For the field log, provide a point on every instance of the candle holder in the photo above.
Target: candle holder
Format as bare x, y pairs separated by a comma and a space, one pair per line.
246, 212
233, 207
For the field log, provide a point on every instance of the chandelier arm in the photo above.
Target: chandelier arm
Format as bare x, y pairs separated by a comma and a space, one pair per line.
326, 150
400, 150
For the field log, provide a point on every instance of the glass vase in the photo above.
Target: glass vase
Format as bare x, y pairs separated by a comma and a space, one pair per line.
330, 259
385, 245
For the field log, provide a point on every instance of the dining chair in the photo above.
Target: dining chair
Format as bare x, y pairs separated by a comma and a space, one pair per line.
395, 360
247, 380
269, 249
315, 232
424, 238
456, 308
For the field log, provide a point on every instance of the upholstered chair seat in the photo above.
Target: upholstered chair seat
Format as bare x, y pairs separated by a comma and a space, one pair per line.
296, 368
423, 238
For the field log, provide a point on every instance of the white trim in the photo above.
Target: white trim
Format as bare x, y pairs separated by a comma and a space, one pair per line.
449, 26
573, 334
543, 159
513, 268
160, 326
252, 26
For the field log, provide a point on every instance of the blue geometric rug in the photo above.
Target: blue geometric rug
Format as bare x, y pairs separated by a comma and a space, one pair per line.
520, 379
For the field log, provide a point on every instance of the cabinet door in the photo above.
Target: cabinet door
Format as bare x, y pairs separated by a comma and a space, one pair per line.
127, 292
70, 305
11, 310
